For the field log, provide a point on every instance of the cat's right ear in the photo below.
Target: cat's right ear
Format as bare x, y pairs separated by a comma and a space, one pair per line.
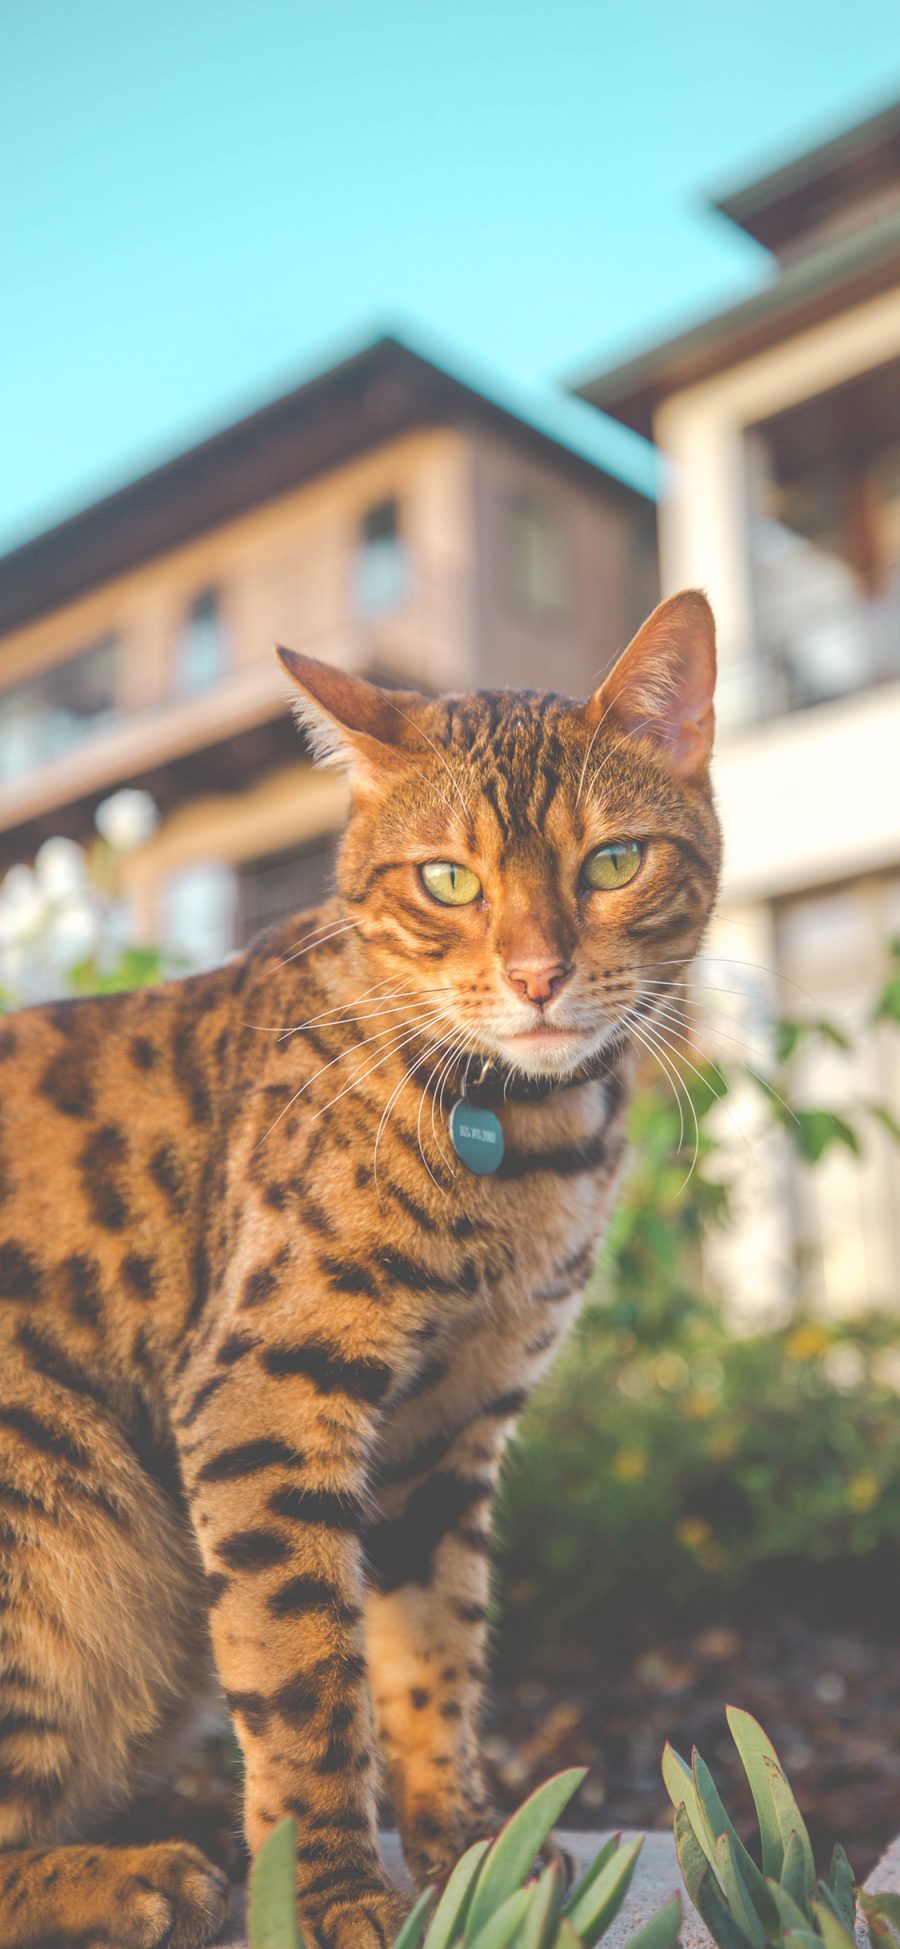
349, 721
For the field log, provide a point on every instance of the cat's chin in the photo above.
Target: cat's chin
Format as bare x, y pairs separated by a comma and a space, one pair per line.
547, 1051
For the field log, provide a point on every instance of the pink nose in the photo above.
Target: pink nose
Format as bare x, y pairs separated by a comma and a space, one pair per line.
538, 981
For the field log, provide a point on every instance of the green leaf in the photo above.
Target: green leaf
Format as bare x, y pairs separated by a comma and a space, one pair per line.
718, 1823
662, 1931
791, 1825
272, 1921
887, 1008
543, 1916
596, 1867
450, 1914
824, 1894
842, 1883
518, 1843
792, 1917
591, 1913
734, 1889
566, 1939
794, 1879
802, 1939
753, 1747
504, 1923
882, 1913
704, 1889
682, 1791
885, 1117
833, 1933
412, 1933
814, 1131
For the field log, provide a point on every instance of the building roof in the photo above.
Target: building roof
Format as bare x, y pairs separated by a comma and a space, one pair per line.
822, 186
381, 391
813, 287
833, 216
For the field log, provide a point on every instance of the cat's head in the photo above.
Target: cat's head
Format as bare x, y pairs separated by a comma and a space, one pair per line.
530, 869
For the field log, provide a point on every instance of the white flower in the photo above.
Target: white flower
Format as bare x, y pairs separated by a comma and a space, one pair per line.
126, 819
61, 868
23, 905
74, 932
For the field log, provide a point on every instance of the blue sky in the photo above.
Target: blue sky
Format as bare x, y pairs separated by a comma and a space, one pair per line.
203, 200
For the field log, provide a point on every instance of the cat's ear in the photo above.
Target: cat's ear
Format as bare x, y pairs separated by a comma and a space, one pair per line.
661, 688
347, 720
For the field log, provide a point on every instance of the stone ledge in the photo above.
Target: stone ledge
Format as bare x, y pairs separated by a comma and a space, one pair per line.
657, 1879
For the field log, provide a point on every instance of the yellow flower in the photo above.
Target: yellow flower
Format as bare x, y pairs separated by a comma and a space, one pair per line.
694, 1532
630, 1465
698, 1407
806, 1342
862, 1491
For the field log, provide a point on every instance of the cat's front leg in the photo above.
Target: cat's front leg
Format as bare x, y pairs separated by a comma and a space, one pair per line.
426, 1629
276, 1474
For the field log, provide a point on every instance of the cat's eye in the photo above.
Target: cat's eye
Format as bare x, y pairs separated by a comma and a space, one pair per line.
455, 886
613, 865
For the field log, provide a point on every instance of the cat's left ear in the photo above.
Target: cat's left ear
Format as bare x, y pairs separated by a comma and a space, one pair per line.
661, 688
349, 721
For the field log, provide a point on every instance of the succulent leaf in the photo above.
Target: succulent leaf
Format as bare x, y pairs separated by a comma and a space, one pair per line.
450, 1914
682, 1791
735, 1891
592, 1912
842, 1883
794, 1874
704, 1889
754, 1748
271, 1894
791, 1823
543, 1918
833, 1933
517, 1844
503, 1925
412, 1933
662, 1931
719, 1823
792, 1917
882, 1913
596, 1868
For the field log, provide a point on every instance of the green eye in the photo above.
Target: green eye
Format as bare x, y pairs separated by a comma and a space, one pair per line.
456, 886
611, 866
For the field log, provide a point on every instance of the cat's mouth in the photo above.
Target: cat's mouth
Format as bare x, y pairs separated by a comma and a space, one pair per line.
545, 1049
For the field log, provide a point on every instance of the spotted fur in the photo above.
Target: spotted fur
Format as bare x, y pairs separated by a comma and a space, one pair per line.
263, 1338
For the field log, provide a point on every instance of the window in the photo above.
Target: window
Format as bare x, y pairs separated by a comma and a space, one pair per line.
200, 650
381, 565
824, 493
57, 711
281, 884
536, 558
830, 947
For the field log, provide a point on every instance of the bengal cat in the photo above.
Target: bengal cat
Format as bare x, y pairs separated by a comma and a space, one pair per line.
264, 1333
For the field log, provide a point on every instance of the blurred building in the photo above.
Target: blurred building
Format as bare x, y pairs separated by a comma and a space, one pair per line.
386, 516
780, 421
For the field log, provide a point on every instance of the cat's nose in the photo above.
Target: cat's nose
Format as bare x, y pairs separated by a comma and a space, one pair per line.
538, 981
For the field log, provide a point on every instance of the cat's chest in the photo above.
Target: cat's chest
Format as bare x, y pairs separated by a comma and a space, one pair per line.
451, 1246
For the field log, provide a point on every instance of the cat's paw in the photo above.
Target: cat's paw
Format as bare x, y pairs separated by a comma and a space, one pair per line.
554, 1855
175, 1899
433, 1843
356, 1921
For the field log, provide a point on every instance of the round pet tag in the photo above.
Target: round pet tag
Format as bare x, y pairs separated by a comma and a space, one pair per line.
477, 1137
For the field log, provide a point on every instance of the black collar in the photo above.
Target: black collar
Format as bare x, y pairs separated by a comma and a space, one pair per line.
490, 1084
